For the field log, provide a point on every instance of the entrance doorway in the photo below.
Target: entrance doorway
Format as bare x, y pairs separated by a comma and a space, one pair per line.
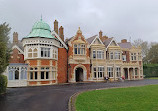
126, 73
79, 74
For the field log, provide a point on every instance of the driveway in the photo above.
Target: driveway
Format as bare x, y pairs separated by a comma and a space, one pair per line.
54, 97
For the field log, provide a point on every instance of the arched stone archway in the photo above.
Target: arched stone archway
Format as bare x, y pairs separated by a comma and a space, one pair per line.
80, 73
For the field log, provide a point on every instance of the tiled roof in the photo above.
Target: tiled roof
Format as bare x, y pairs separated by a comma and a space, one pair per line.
90, 39
19, 44
125, 45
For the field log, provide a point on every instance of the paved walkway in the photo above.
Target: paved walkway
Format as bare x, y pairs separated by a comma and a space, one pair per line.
54, 97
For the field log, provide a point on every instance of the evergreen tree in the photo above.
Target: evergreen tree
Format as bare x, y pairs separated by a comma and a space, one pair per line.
4, 49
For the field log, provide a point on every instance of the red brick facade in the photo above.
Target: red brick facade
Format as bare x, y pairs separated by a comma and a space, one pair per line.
62, 65
16, 57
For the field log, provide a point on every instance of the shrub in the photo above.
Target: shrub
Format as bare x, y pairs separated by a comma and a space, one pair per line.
150, 70
3, 84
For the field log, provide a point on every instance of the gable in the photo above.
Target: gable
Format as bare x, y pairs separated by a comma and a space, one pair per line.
60, 40
16, 47
97, 41
113, 43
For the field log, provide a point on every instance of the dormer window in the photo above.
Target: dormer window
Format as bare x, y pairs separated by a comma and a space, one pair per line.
79, 49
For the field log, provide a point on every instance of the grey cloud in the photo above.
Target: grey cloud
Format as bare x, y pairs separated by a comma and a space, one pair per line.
116, 18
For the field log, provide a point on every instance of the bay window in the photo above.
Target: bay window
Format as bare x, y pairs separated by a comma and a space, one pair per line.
45, 52
79, 49
117, 55
98, 54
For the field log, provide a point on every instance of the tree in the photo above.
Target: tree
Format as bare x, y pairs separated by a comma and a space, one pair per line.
152, 56
145, 46
4, 50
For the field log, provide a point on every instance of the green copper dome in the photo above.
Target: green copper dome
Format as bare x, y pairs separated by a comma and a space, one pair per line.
40, 29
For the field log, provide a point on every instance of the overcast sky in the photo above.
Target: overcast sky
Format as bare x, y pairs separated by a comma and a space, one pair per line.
116, 18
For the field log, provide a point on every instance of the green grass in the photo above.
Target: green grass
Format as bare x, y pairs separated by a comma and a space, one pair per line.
153, 78
144, 98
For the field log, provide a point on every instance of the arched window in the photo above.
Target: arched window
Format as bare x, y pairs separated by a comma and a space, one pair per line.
16, 74
23, 73
30, 52
10, 75
35, 52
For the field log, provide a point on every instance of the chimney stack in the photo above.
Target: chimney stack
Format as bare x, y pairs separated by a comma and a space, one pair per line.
124, 41
100, 34
61, 33
56, 26
15, 37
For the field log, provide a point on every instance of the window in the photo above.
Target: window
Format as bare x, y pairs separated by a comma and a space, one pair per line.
35, 52
23, 73
139, 56
35, 75
45, 52
42, 75
133, 56
79, 49
31, 75
30, 53
54, 54
124, 57
95, 72
117, 55
99, 55
111, 55
110, 71
94, 54
118, 71
10, 75
136, 71
47, 75
100, 71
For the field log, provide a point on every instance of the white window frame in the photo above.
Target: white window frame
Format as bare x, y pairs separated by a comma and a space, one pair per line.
101, 71
118, 71
80, 48
110, 72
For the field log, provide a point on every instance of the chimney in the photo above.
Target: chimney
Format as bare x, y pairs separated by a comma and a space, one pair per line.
56, 26
100, 34
61, 33
124, 41
15, 37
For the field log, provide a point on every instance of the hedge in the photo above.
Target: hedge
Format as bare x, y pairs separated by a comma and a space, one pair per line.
150, 70
3, 84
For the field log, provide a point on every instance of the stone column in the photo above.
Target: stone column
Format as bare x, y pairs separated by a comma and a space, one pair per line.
134, 73
128, 73
19, 73
139, 73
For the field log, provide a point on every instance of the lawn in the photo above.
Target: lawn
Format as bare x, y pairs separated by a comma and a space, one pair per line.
144, 98
153, 78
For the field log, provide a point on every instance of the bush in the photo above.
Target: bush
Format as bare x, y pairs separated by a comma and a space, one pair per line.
3, 84
150, 70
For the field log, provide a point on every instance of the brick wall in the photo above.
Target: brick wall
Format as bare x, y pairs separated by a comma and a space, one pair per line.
62, 65
16, 57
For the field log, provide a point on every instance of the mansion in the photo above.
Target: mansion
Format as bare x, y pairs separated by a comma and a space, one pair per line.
44, 57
